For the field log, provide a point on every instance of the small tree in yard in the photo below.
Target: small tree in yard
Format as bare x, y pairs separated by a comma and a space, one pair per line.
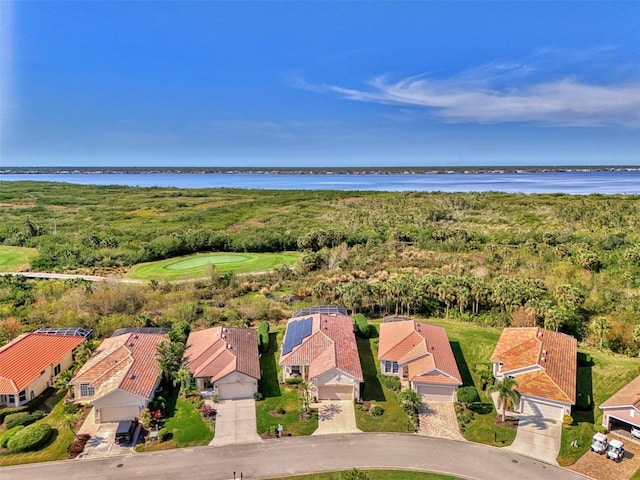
410, 401
355, 474
506, 393
71, 422
183, 378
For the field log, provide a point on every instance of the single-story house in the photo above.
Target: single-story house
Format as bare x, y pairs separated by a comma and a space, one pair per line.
121, 376
30, 363
622, 409
224, 361
420, 354
544, 365
320, 347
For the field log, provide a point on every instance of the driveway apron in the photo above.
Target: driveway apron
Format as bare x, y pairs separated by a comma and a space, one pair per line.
336, 416
538, 438
235, 422
438, 419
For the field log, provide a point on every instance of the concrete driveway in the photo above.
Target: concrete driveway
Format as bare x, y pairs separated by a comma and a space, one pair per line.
336, 416
538, 438
235, 422
102, 442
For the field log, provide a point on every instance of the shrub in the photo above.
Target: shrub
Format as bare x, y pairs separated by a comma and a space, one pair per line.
280, 411
13, 416
263, 336
30, 438
4, 412
27, 419
567, 420
363, 329
467, 395
599, 428
293, 380
71, 408
376, 411
258, 396
391, 382
6, 436
164, 435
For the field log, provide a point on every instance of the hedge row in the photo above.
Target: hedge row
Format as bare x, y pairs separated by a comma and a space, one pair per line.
30, 438
263, 337
389, 381
363, 329
6, 436
26, 419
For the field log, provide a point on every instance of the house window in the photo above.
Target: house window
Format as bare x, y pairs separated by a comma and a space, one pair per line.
56, 370
12, 399
22, 396
390, 367
86, 390
295, 370
42, 372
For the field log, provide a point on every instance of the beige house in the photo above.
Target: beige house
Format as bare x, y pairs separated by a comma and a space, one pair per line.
420, 354
544, 364
320, 347
622, 409
224, 361
120, 378
30, 363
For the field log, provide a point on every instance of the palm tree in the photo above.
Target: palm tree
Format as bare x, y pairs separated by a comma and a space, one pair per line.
62, 381
169, 355
506, 393
182, 377
600, 326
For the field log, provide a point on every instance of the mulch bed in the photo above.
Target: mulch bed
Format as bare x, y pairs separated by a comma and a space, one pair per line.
77, 446
509, 422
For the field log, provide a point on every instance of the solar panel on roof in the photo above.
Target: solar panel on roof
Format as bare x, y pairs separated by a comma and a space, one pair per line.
306, 326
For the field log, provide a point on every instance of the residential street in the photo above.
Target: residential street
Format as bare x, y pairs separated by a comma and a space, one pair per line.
289, 456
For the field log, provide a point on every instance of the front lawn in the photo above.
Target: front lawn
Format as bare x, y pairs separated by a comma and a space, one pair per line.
279, 398
607, 374
187, 428
394, 419
56, 449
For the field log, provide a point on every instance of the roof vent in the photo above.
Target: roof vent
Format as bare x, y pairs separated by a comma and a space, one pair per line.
540, 333
544, 359
544, 352
228, 345
131, 344
224, 329
223, 336
136, 336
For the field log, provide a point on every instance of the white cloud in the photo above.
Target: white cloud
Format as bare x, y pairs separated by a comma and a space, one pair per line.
488, 94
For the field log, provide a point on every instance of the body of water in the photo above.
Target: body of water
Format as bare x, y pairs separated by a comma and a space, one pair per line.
573, 182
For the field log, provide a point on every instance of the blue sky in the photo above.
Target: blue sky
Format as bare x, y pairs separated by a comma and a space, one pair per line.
145, 83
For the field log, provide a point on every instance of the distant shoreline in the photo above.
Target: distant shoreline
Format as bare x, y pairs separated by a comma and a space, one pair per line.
315, 170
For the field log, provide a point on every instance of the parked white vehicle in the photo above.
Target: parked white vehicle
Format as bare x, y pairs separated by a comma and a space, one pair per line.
615, 451
599, 443
635, 431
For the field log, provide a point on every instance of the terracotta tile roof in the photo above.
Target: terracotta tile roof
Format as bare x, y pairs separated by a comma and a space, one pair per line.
553, 355
627, 396
332, 344
127, 362
219, 351
22, 359
424, 348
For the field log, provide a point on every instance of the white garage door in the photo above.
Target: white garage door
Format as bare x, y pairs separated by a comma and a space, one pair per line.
115, 414
544, 410
335, 392
437, 393
228, 391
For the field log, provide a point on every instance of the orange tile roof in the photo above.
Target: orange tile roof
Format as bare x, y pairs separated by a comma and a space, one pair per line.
332, 344
127, 362
627, 396
424, 348
219, 351
553, 354
22, 360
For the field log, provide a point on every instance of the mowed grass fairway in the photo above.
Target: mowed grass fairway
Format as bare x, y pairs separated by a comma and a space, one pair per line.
14, 259
195, 266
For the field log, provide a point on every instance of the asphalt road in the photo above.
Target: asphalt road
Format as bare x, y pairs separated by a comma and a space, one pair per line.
292, 456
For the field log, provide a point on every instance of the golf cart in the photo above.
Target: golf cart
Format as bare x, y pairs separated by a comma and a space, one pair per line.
615, 450
599, 443
635, 431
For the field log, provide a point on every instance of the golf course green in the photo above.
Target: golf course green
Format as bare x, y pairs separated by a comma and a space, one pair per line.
14, 259
195, 266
